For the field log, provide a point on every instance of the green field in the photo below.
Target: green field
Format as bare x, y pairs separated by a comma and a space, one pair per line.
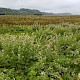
40, 52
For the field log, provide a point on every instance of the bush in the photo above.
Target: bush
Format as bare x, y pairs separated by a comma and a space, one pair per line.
44, 53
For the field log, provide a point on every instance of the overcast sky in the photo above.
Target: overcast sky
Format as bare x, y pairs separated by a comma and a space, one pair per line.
55, 6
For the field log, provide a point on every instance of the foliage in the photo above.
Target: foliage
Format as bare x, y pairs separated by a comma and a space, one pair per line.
37, 52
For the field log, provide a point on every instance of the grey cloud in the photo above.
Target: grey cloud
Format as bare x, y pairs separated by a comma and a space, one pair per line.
56, 6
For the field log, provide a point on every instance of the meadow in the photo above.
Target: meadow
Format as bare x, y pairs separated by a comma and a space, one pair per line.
39, 47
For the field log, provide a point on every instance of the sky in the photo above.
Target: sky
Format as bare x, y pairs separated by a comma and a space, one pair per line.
54, 6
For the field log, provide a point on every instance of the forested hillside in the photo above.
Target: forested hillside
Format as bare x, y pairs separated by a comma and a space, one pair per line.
23, 11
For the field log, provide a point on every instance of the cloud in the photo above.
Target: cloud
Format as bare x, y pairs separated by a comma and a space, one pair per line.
56, 6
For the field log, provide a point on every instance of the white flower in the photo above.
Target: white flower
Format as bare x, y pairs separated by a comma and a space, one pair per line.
42, 73
78, 76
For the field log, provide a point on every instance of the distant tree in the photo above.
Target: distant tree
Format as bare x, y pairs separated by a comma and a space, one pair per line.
2, 14
37, 14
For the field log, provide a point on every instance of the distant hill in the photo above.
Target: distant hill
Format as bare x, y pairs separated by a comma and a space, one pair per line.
64, 14
23, 11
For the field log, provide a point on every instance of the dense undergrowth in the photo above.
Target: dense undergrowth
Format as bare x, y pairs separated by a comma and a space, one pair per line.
36, 52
